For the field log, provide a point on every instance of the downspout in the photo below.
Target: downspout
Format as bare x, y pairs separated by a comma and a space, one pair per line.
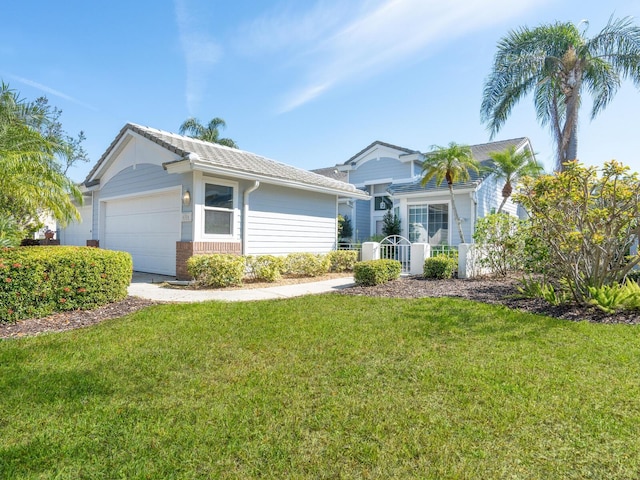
245, 213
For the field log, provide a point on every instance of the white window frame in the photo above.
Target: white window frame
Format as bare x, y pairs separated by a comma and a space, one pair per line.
427, 204
233, 211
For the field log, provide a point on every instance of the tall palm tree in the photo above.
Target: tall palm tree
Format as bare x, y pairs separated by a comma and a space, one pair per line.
32, 181
209, 133
452, 164
510, 165
557, 62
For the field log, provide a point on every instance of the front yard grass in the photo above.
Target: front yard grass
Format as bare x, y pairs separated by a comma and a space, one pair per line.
323, 386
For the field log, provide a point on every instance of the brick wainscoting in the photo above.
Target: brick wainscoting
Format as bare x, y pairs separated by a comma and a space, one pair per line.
184, 250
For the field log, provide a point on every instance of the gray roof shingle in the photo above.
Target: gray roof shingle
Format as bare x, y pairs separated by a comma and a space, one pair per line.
480, 153
241, 163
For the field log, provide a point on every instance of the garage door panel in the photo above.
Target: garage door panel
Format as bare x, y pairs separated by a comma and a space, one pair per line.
147, 227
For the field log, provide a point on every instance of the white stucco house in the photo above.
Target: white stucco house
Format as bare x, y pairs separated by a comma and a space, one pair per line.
391, 176
163, 197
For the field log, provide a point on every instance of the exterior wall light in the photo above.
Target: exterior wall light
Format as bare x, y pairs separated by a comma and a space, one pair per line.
186, 198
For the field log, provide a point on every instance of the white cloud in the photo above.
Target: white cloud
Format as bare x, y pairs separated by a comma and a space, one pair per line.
201, 53
51, 91
332, 44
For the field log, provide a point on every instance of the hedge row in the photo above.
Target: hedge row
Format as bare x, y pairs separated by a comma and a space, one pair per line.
36, 282
225, 270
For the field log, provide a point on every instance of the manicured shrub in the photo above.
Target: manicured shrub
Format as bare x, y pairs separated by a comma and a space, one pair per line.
217, 270
343, 260
38, 281
265, 268
440, 267
376, 272
302, 264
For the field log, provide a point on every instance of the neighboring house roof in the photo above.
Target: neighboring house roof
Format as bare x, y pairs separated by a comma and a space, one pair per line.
228, 161
332, 172
480, 153
377, 142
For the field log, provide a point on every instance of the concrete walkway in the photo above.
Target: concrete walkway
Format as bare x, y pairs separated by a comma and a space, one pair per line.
146, 285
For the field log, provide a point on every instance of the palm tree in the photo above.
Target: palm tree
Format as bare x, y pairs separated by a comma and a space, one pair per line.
452, 164
510, 165
558, 63
209, 133
32, 181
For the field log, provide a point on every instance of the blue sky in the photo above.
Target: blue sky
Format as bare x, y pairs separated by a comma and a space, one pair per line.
305, 83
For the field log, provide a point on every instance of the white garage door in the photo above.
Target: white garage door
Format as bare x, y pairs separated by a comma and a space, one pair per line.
77, 233
147, 227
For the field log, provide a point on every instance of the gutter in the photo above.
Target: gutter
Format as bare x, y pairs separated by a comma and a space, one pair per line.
245, 213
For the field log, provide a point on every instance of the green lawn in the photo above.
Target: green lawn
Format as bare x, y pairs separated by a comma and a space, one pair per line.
323, 387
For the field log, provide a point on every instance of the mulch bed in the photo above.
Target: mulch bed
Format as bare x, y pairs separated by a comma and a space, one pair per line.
487, 290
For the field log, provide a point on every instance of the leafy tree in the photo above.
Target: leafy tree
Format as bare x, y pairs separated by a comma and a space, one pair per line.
69, 150
510, 165
557, 62
209, 133
32, 181
452, 164
391, 224
585, 223
345, 229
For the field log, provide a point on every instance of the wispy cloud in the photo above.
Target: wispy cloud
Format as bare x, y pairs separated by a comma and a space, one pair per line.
201, 53
51, 91
334, 44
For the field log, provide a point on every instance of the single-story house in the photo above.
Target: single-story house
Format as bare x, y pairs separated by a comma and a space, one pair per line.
164, 197
391, 176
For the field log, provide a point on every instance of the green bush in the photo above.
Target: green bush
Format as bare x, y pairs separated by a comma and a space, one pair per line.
343, 260
38, 281
500, 240
217, 270
302, 264
265, 268
440, 267
619, 296
376, 272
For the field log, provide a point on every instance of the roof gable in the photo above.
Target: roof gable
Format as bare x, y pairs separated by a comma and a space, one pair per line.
375, 149
196, 154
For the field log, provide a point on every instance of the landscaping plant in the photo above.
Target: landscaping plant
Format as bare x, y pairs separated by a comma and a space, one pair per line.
38, 281
440, 267
265, 268
217, 270
376, 272
586, 223
500, 243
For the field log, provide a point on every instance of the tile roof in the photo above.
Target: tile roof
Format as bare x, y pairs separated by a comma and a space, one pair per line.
239, 162
332, 172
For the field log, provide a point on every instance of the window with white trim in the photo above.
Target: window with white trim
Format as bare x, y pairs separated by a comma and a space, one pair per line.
218, 209
429, 223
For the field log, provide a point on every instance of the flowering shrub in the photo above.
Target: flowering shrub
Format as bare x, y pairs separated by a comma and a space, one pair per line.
35, 282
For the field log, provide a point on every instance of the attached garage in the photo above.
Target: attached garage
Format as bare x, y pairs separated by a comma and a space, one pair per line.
146, 226
77, 233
